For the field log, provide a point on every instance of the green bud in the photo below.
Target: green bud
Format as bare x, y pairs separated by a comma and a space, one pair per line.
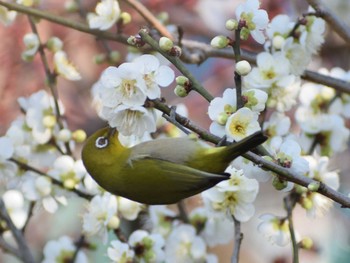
231, 24
113, 223
54, 44
278, 183
306, 203
49, 121
244, 33
79, 135
125, 17
27, 58
180, 91
300, 189
314, 186
166, 44
182, 80
222, 118
71, 6
220, 42
114, 56
306, 243
163, 17
100, 58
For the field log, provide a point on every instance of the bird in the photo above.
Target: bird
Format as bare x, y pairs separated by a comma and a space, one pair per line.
160, 171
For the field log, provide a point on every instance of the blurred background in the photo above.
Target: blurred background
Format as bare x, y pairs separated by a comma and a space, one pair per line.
201, 20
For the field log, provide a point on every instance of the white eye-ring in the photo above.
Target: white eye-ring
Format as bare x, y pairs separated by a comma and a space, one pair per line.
101, 142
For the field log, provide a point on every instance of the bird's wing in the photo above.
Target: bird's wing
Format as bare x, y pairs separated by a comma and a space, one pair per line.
176, 150
165, 182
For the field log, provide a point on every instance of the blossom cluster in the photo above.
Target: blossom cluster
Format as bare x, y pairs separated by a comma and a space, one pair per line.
121, 93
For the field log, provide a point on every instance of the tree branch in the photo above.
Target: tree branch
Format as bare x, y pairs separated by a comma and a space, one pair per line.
23, 249
238, 241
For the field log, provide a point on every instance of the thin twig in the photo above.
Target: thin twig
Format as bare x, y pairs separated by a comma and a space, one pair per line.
182, 211
342, 29
238, 78
27, 167
238, 240
78, 245
23, 249
289, 203
8, 248
149, 17
51, 81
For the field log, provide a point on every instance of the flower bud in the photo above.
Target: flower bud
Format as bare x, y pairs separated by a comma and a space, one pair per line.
54, 44
278, 42
244, 33
114, 56
113, 223
180, 91
69, 183
220, 42
100, 58
135, 41
222, 118
49, 121
182, 81
314, 186
231, 24
243, 67
278, 183
71, 6
306, 203
166, 44
64, 135
175, 51
306, 243
125, 17
79, 136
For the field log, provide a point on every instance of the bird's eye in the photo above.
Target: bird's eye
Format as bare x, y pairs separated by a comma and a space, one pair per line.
101, 142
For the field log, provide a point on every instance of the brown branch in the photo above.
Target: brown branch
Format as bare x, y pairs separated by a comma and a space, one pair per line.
149, 17
23, 249
238, 240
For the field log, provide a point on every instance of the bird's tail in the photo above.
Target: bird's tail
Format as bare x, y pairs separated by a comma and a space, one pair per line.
238, 148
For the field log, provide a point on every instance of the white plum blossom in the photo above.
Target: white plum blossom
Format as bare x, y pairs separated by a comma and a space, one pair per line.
316, 204
16, 207
7, 17
32, 43
101, 216
215, 228
130, 120
277, 125
161, 219
241, 124
40, 188
68, 171
252, 18
280, 25
312, 33
120, 252
255, 99
275, 229
64, 67
61, 250
7, 168
154, 74
270, 69
147, 247
107, 14
234, 196
124, 84
220, 108
288, 154
129, 209
251, 170
183, 245
40, 115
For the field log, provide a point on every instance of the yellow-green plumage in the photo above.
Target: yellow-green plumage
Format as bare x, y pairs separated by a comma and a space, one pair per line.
162, 171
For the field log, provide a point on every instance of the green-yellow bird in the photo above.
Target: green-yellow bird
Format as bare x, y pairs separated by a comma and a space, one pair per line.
162, 171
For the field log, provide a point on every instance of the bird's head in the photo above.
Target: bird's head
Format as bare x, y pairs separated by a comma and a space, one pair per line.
102, 144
